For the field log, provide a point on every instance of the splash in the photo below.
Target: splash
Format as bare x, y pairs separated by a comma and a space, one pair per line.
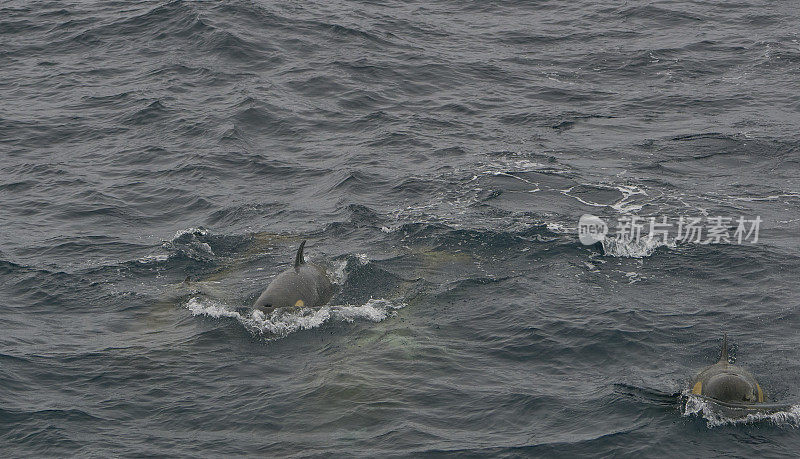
190, 231
338, 271
788, 416
279, 323
210, 308
191, 242
633, 248
374, 310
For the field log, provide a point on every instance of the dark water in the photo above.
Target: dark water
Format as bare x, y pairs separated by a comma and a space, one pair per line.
437, 156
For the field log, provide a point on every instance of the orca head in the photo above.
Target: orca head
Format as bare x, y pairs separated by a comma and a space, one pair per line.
730, 387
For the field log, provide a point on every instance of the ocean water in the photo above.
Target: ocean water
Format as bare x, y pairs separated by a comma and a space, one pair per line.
437, 157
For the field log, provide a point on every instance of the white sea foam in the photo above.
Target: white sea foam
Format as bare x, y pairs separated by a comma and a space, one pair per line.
506, 165
633, 248
767, 198
625, 205
153, 258
280, 323
579, 199
209, 307
201, 231
374, 310
558, 228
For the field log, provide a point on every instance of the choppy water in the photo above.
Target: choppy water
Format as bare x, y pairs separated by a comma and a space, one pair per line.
437, 156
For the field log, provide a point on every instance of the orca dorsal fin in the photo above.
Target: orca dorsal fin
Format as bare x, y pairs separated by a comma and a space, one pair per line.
298, 259
724, 356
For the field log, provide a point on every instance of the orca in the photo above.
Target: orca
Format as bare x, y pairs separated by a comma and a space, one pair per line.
302, 285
